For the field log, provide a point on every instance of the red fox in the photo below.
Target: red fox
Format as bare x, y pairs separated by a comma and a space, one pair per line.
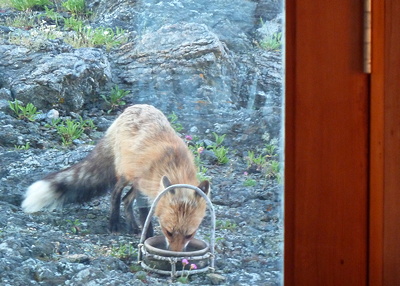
142, 150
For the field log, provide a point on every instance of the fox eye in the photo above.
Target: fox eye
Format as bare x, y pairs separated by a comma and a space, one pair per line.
168, 233
189, 236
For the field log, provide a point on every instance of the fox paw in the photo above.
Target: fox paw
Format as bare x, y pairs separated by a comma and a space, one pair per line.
133, 229
114, 228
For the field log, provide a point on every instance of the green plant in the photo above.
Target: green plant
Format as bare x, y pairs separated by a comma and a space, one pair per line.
184, 278
249, 182
51, 14
27, 112
87, 124
220, 224
272, 42
54, 123
114, 99
69, 131
22, 147
135, 268
74, 225
259, 160
88, 37
270, 150
173, 119
273, 169
219, 139
23, 5
197, 149
74, 6
141, 275
20, 21
5, 4
73, 24
221, 153
201, 174
123, 251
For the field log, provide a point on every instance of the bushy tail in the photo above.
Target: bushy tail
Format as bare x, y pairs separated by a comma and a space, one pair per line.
89, 178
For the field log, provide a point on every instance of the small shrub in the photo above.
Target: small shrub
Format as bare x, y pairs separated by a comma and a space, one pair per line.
73, 24
22, 147
27, 112
270, 150
51, 14
123, 251
228, 225
221, 153
273, 169
219, 139
23, 5
201, 174
265, 162
5, 4
74, 225
88, 37
69, 131
87, 124
272, 43
114, 99
259, 160
20, 21
250, 183
173, 119
75, 6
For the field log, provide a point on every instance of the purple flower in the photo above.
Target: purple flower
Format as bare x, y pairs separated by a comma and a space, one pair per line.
188, 137
185, 261
200, 150
193, 266
245, 173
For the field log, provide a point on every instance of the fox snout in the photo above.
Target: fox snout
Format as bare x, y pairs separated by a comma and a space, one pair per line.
177, 241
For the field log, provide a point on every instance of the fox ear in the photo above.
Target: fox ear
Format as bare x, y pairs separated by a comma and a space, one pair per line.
204, 186
166, 183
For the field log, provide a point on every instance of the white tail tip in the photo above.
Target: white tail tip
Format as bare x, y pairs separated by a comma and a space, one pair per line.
39, 195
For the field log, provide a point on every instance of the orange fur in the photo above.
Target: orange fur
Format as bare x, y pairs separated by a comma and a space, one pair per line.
146, 148
140, 149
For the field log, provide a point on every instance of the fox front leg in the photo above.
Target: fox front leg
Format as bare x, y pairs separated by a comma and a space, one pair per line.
128, 206
142, 204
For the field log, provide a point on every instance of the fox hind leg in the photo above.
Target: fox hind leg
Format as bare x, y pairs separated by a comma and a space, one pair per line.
115, 204
143, 207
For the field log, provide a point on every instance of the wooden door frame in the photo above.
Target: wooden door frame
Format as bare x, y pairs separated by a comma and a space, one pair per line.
384, 251
313, 255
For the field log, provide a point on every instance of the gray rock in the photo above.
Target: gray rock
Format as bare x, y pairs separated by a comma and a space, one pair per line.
216, 279
67, 79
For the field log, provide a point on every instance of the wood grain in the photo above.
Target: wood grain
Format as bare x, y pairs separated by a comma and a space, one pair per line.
327, 141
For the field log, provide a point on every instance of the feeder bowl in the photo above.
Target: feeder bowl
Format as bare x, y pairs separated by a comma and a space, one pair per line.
156, 248
155, 256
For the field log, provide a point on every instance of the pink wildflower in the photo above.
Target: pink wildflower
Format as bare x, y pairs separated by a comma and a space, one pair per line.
185, 261
200, 150
193, 266
245, 173
188, 137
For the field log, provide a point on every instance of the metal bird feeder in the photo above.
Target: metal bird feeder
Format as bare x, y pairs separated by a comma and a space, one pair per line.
154, 255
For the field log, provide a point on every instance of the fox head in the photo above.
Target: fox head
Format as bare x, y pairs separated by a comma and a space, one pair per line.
180, 213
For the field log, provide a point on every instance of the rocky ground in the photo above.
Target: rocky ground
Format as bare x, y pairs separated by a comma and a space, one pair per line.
73, 247
217, 67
